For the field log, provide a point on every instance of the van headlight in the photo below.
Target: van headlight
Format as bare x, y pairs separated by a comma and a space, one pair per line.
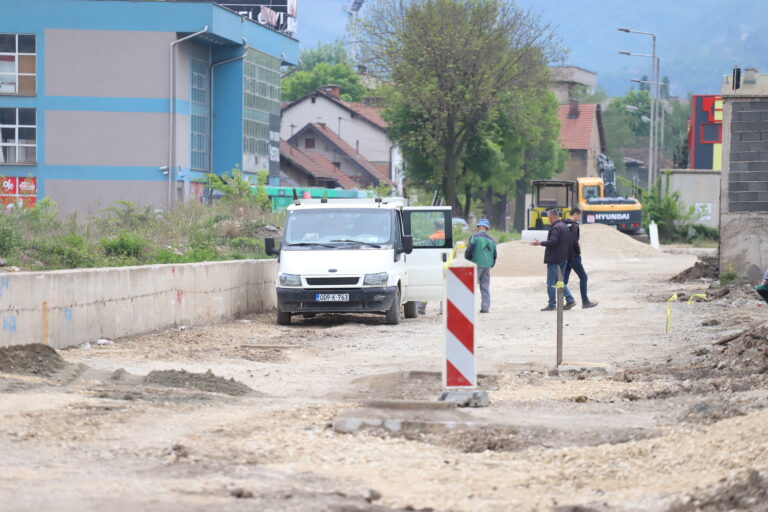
376, 279
289, 280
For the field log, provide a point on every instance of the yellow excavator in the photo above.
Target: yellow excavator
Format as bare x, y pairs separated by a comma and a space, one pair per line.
596, 197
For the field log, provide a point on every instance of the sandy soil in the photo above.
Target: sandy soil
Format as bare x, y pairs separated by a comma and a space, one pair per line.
679, 424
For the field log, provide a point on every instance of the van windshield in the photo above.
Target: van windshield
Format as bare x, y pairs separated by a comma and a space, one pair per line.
323, 228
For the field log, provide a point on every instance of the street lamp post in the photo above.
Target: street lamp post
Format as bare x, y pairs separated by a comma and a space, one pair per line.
654, 78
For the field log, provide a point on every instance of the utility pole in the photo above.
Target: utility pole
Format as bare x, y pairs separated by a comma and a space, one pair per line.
653, 95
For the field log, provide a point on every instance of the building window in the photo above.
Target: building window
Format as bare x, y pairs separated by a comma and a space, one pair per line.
261, 101
309, 143
18, 136
199, 79
18, 64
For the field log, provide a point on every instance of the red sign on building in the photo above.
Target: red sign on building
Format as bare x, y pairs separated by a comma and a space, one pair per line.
18, 191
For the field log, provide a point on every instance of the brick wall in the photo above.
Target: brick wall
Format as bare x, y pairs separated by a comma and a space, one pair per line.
748, 176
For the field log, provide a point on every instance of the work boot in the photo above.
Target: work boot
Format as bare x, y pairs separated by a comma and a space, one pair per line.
549, 308
587, 305
484, 311
569, 305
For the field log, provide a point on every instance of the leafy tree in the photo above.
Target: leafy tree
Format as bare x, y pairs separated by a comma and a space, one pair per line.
664, 91
329, 53
302, 83
643, 86
454, 65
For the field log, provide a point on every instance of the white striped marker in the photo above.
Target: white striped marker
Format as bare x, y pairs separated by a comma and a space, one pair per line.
460, 371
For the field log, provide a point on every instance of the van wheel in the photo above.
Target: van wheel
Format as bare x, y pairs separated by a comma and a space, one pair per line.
411, 309
393, 313
283, 317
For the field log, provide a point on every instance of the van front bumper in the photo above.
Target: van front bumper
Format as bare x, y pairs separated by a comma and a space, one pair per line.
301, 300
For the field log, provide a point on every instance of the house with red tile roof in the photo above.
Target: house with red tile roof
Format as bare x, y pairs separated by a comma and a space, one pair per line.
359, 125
581, 134
310, 169
318, 140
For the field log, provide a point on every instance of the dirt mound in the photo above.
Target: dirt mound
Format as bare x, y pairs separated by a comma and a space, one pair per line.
199, 381
749, 492
598, 242
708, 267
35, 359
749, 350
516, 259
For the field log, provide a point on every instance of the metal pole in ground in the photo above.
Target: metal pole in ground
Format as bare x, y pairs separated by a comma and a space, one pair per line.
559, 287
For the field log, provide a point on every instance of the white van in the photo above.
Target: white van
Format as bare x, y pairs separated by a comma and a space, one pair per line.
360, 256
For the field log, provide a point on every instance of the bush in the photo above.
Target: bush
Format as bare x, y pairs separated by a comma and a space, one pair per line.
10, 239
248, 244
126, 243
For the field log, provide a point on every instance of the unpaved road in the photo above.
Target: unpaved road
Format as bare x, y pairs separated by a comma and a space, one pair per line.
679, 424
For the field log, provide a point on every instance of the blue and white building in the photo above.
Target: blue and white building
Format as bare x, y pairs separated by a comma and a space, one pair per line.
103, 100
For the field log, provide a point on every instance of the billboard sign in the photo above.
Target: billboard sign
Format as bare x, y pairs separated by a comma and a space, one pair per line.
18, 191
279, 15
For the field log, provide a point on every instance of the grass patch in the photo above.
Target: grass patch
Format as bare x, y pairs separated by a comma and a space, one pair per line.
38, 239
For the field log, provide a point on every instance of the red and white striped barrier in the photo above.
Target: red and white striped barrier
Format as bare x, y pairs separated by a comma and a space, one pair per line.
460, 371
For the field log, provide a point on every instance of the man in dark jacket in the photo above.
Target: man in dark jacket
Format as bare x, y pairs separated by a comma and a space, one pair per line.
574, 263
556, 255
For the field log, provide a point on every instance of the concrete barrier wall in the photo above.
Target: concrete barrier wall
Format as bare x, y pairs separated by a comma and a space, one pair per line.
88, 304
699, 187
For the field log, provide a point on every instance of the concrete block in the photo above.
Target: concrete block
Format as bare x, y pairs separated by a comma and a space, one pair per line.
738, 166
758, 105
466, 398
746, 136
738, 187
749, 115
740, 106
744, 156
749, 207
758, 186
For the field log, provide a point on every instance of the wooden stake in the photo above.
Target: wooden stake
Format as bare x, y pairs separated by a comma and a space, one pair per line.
559, 317
45, 323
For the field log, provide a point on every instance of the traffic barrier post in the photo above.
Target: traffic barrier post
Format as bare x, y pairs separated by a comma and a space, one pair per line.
460, 369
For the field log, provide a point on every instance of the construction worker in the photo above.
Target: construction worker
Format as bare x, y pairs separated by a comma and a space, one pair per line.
436, 239
762, 289
482, 252
556, 255
574, 263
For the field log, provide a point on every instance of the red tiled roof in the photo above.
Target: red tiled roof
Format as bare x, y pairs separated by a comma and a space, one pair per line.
368, 112
371, 113
374, 171
576, 133
316, 165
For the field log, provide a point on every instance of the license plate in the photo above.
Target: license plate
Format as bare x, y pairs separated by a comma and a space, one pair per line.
332, 297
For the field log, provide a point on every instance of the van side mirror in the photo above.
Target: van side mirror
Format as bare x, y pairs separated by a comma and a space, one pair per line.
269, 247
407, 244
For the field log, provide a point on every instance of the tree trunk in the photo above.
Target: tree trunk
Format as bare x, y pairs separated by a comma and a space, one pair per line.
449, 183
498, 211
467, 202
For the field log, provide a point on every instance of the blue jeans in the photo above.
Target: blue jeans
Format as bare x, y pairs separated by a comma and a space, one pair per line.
552, 280
576, 266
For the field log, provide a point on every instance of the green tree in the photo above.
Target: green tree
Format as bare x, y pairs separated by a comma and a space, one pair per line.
302, 83
330, 53
452, 71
